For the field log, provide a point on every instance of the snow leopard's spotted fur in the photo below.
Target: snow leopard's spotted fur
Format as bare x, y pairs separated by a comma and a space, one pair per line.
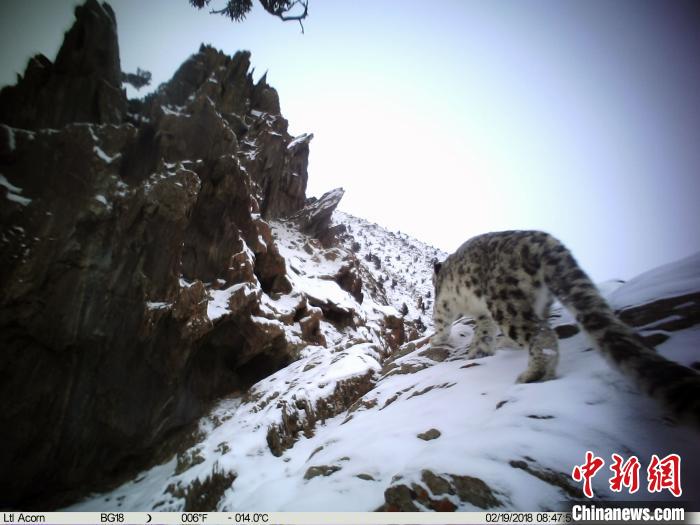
508, 280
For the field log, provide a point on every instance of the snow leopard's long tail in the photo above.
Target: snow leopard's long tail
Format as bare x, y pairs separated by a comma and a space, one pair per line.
675, 385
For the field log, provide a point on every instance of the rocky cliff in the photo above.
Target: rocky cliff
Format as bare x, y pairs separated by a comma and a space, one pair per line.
140, 278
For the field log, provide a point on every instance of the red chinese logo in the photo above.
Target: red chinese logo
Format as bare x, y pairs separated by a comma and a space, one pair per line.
662, 474
665, 474
626, 474
586, 472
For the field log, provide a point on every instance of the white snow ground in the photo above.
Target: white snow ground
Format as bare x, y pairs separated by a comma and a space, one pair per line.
485, 420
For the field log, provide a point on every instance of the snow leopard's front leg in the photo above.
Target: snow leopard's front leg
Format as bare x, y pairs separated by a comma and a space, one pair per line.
484, 338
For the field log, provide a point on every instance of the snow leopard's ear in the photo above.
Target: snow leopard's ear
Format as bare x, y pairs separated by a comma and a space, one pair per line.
436, 266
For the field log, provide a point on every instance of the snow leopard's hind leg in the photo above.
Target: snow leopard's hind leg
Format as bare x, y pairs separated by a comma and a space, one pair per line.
533, 333
482, 344
543, 355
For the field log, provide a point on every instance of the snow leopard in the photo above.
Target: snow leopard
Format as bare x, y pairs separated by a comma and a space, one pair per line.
508, 280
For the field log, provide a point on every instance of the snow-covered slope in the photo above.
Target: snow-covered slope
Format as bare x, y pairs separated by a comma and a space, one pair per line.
402, 264
425, 428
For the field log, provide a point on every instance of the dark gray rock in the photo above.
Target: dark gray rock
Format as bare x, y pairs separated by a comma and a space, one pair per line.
276, 162
431, 434
315, 218
82, 85
321, 470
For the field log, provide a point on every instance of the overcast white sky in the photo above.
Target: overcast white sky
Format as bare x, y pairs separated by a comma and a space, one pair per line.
447, 119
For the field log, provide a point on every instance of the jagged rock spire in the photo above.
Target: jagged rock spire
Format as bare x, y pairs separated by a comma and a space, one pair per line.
82, 85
